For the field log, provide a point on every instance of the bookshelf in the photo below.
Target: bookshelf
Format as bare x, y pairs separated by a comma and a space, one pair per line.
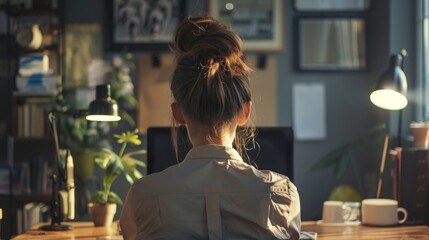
33, 64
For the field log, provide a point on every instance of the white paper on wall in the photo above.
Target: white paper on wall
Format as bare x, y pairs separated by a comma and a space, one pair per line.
309, 111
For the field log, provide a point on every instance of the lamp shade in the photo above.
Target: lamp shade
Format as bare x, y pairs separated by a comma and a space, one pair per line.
103, 108
391, 90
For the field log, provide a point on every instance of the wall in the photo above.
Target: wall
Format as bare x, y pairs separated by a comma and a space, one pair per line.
349, 111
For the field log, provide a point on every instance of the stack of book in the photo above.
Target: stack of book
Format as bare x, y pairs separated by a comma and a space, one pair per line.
32, 117
35, 77
30, 214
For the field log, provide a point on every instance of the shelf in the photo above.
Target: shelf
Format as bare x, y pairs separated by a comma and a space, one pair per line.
51, 48
15, 12
18, 94
32, 148
23, 198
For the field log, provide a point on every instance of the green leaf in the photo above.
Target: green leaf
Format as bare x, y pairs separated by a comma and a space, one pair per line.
341, 166
97, 197
106, 157
127, 117
130, 163
330, 158
114, 198
112, 172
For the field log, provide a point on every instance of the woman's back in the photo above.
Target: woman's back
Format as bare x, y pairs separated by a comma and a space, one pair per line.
213, 194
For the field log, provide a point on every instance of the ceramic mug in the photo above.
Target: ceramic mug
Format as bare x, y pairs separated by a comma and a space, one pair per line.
335, 212
382, 212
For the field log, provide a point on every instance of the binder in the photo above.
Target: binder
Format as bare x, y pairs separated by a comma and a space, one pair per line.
410, 177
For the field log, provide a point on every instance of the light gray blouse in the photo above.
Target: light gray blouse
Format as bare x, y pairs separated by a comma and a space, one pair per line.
212, 194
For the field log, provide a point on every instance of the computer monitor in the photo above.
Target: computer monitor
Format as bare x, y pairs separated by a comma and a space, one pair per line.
273, 151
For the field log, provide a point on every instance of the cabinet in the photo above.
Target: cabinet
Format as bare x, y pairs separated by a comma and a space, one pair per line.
32, 69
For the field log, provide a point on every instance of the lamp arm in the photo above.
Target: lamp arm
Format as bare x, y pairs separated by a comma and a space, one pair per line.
55, 206
399, 140
53, 123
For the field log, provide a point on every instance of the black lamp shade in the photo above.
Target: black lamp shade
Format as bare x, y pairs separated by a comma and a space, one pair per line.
391, 90
103, 108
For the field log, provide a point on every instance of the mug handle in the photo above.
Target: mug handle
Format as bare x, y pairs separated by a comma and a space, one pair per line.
403, 211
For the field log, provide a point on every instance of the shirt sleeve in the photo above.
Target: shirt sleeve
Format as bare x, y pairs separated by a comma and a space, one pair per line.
127, 219
285, 214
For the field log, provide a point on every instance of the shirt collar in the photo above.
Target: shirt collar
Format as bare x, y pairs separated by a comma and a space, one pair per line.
211, 151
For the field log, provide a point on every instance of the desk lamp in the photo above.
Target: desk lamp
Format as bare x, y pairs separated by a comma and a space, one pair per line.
390, 93
104, 109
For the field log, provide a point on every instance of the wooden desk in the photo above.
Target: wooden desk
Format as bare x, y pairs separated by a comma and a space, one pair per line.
362, 232
81, 231
86, 230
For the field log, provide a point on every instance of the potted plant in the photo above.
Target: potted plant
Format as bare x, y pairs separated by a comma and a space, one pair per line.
358, 158
83, 137
104, 202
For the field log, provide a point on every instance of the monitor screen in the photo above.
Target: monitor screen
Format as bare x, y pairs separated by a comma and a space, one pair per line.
273, 149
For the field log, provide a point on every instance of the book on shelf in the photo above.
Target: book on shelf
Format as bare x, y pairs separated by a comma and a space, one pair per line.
32, 118
32, 214
20, 178
39, 174
4, 178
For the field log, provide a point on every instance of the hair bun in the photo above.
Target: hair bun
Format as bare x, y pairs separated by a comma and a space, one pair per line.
208, 43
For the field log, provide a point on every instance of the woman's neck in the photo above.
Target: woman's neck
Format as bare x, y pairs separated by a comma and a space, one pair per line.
201, 135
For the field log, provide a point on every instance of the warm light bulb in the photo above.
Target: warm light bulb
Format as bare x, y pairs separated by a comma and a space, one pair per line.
103, 118
388, 99
229, 6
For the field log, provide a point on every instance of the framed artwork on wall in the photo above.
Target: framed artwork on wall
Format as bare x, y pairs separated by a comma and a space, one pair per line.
258, 22
142, 24
330, 43
331, 5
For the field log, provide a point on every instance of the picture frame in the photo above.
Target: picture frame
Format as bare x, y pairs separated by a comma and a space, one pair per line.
330, 43
331, 5
259, 23
129, 28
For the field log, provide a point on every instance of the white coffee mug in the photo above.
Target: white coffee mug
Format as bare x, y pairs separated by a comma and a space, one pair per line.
335, 212
382, 212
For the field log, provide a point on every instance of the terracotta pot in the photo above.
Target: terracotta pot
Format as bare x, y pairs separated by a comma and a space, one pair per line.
102, 215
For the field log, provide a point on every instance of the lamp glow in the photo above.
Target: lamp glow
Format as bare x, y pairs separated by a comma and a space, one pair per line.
103, 118
388, 99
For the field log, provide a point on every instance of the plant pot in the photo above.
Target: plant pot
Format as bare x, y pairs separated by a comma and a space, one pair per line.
102, 215
83, 160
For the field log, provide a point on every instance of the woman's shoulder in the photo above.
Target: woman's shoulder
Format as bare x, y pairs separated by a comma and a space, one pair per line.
151, 182
280, 182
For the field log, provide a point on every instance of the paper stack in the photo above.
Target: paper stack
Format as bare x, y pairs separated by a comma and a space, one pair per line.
35, 77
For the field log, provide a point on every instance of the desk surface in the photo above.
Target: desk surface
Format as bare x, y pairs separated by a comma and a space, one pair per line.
362, 232
86, 230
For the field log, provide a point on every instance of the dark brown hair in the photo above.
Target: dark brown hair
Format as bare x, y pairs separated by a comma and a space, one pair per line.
210, 83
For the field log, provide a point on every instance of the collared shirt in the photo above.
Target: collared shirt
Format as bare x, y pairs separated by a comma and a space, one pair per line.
212, 194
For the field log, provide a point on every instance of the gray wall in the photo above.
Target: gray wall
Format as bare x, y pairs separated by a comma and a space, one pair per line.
349, 111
